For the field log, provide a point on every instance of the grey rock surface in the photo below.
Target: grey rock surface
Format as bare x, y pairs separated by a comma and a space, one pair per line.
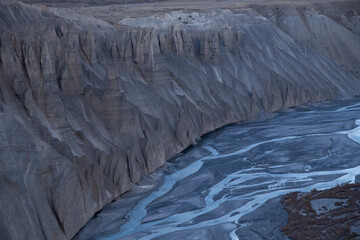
88, 105
90, 2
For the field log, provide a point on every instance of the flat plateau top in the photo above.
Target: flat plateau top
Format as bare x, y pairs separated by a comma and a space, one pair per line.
114, 12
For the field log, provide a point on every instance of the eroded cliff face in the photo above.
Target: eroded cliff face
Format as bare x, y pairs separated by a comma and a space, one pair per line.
88, 107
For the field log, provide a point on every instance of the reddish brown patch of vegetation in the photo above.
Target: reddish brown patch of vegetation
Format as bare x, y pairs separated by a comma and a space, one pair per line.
337, 223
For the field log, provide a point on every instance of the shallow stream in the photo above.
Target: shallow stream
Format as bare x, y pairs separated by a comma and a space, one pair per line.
229, 185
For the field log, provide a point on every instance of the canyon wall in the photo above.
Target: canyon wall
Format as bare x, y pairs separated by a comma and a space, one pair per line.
87, 107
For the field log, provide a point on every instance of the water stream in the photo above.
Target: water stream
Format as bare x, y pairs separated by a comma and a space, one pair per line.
221, 187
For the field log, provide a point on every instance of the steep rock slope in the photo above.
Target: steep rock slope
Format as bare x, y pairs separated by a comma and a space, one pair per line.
332, 29
88, 107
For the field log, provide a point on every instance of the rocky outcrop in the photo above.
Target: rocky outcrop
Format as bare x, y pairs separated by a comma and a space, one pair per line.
88, 107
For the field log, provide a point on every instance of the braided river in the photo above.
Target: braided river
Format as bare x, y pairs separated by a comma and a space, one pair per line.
229, 184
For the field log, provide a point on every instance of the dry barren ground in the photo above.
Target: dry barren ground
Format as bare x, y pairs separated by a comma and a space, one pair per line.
113, 12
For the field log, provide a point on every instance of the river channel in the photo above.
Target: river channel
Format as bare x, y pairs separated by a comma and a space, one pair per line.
230, 183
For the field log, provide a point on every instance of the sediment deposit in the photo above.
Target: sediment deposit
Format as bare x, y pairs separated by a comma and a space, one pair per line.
90, 102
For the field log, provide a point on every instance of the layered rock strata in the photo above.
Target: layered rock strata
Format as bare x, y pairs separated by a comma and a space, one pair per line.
87, 107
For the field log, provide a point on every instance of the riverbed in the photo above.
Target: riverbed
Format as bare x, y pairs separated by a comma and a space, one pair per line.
229, 184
